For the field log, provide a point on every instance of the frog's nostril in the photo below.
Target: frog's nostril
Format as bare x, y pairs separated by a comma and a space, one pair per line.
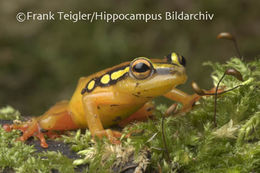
172, 71
181, 71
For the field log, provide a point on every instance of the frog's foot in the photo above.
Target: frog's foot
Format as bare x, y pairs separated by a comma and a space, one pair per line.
112, 135
29, 129
53, 135
189, 104
213, 90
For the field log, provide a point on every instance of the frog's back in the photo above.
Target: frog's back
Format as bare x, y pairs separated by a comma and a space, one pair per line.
76, 104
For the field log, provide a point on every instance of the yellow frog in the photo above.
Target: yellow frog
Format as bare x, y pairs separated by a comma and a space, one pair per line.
111, 96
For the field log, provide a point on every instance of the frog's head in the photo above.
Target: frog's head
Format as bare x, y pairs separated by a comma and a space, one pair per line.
151, 78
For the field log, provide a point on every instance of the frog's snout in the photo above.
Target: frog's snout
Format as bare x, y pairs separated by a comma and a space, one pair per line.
178, 70
181, 75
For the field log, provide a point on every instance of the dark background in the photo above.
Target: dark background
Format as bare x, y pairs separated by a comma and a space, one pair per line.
40, 62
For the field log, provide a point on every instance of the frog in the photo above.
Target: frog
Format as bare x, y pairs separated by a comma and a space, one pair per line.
112, 96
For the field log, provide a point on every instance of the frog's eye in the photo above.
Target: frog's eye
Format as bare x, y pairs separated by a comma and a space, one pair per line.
176, 59
141, 68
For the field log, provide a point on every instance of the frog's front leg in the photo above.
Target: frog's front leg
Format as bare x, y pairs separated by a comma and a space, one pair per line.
185, 99
91, 102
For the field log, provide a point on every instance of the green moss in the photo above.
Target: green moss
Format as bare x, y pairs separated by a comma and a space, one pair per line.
193, 143
23, 158
9, 113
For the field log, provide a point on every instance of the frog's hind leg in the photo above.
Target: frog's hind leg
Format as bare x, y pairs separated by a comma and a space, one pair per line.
56, 118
